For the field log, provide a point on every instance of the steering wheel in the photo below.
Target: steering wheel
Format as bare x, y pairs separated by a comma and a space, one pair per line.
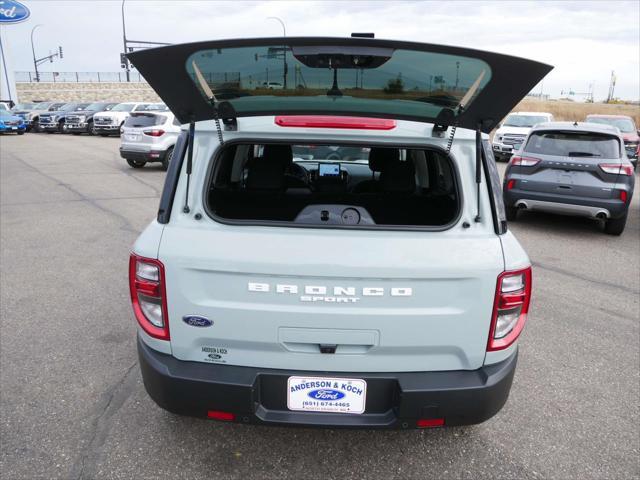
298, 172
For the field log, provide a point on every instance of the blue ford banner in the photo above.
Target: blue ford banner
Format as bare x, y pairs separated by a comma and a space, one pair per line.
13, 12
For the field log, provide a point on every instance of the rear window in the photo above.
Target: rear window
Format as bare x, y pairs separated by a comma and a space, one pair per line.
333, 186
341, 78
573, 144
140, 120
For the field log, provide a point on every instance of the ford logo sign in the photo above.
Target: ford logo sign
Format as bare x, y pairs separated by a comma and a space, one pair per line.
13, 12
196, 321
326, 394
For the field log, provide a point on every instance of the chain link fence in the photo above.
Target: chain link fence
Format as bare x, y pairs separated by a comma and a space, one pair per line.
78, 77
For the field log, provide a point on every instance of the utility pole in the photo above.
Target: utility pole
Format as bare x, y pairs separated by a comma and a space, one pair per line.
124, 45
284, 52
40, 61
612, 86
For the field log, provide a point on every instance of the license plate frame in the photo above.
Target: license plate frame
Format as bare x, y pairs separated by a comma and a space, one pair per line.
326, 394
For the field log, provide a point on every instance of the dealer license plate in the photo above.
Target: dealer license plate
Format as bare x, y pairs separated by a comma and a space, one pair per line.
132, 137
321, 394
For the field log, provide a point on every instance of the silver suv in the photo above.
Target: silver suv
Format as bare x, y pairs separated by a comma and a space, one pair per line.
572, 169
149, 136
375, 289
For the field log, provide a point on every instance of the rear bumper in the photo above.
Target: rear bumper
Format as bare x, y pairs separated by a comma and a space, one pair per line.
394, 400
148, 156
565, 205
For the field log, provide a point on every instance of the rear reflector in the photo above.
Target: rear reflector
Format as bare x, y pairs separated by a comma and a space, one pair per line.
616, 168
148, 295
510, 184
623, 196
510, 308
430, 422
323, 121
223, 416
524, 161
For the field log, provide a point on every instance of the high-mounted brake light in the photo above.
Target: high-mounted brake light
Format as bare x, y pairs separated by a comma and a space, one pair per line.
524, 161
148, 295
154, 133
325, 121
510, 308
616, 168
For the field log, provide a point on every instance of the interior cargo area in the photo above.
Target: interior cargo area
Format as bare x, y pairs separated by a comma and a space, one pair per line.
333, 185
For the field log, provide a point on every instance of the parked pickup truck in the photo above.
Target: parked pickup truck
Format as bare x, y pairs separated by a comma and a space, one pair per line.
512, 132
629, 130
82, 121
382, 290
110, 122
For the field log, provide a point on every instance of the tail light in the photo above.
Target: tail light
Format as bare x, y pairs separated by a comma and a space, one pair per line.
148, 295
154, 132
616, 168
524, 161
510, 308
325, 121
510, 184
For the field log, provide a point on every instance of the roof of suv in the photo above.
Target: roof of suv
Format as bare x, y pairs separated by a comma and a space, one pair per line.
577, 126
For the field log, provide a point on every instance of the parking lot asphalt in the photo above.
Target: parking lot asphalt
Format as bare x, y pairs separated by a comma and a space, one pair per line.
73, 404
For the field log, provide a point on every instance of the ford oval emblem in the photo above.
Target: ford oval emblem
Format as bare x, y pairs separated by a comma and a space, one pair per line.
326, 394
197, 321
13, 12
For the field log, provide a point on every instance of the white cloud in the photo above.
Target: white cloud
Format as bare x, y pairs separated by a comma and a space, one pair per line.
583, 40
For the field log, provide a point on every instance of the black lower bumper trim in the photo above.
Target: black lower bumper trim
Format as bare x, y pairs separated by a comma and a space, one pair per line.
394, 400
154, 156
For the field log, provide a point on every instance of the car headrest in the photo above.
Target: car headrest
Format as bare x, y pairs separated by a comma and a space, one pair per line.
379, 157
268, 172
281, 154
398, 177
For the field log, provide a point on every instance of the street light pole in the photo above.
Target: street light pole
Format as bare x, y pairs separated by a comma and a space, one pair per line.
284, 51
33, 50
124, 42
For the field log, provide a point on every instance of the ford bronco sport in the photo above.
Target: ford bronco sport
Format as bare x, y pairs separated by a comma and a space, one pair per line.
334, 253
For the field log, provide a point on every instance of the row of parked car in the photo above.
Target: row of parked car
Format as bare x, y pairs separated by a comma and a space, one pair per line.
512, 132
575, 168
148, 131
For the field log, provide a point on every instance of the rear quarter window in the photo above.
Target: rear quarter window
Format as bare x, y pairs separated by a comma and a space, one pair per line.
573, 144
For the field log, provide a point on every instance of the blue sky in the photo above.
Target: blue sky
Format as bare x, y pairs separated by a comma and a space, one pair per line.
584, 40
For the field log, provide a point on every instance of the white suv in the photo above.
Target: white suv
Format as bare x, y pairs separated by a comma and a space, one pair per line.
514, 130
376, 290
149, 136
109, 122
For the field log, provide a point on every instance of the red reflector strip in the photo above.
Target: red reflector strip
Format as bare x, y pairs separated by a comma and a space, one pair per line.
223, 416
623, 196
510, 184
324, 121
430, 422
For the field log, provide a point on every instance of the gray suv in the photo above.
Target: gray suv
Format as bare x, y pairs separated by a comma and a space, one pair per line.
572, 169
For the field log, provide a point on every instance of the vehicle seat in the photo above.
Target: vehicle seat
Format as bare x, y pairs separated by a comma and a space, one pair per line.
378, 158
267, 173
398, 176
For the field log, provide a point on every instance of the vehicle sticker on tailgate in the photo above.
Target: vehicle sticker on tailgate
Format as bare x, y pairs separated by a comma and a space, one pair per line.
320, 394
